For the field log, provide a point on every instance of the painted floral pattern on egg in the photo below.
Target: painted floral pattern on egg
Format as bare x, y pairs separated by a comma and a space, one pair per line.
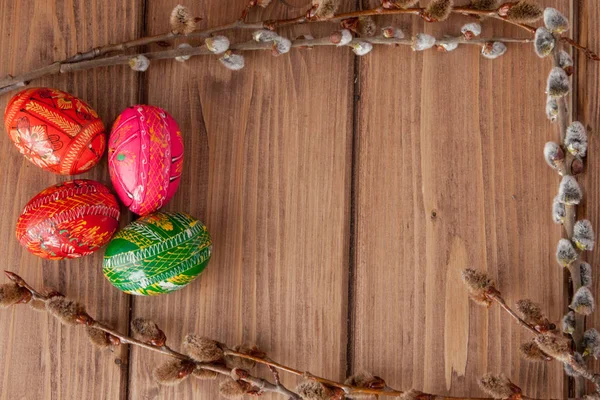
55, 131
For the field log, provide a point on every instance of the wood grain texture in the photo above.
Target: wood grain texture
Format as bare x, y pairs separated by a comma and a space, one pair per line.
450, 175
587, 110
447, 172
267, 168
41, 359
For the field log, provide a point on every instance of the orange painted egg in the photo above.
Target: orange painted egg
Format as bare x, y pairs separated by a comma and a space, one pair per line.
69, 220
54, 130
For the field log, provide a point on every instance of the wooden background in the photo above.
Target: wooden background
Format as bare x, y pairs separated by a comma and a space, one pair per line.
343, 195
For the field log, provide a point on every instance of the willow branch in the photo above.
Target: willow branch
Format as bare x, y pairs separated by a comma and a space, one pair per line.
582, 370
569, 224
262, 384
20, 81
163, 37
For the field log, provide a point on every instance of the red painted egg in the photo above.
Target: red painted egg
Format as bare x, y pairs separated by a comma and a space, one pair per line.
55, 131
145, 158
69, 220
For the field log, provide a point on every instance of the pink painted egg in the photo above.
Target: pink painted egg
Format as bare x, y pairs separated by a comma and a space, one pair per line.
145, 158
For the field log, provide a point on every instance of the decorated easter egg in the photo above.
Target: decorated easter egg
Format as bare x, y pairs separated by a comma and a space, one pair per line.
69, 220
54, 130
158, 253
145, 158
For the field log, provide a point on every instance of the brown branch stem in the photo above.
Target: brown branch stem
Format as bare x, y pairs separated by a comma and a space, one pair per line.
20, 81
569, 222
262, 384
500, 300
580, 369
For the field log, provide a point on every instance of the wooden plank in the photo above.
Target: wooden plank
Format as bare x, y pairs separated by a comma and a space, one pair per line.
587, 110
42, 359
450, 175
267, 168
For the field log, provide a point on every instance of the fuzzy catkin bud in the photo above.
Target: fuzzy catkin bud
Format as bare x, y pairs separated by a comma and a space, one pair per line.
264, 36
544, 42
565, 61
485, 4
313, 390
202, 349
554, 155
568, 323
183, 58
583, 235
591, 343
204, 374
323, 9
37, 305
471, 30
11, 293
559, 211
147, 331
231, 389
531, 312
242, 363
479, 285
576, 140
172, 372
263, 3
367, 26
531, 352
391, 32
551, 109
341, 38
422, 41
565, 253
447, 47
554, 346
493, 50
586, 274
98, 338
139, 63
558, 83
569, 191
217, 44
181, 20
67, 311
438, 10
498, 386
234, 62
524, 11
555, 20
281, 46
365, 379
361, 48
583, 301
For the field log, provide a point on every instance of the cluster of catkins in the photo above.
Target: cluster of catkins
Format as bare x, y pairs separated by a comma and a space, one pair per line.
566, 158
355, 32
548, 344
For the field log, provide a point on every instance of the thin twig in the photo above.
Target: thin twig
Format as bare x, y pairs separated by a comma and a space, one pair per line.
569, 223
18, 82
580, 369
262, 384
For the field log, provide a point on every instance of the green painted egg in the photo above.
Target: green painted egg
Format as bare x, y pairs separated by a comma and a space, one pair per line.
158, 253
